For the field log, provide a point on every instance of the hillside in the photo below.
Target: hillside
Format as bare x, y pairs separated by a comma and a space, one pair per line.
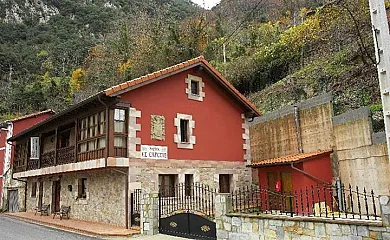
278, 52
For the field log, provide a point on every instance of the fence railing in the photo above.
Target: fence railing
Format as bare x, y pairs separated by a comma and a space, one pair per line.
316, 201
193, 197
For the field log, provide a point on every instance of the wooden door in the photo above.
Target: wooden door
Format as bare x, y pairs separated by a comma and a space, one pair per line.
13, 203
56, 195
287, 189
273, 196
40, 194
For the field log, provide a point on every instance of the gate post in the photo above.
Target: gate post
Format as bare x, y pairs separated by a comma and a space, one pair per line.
384, 202
149, 214
223, 206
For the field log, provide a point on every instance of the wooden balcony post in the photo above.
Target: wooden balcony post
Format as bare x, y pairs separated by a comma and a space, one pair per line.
40, 151
110, 144
76, 128
55, 146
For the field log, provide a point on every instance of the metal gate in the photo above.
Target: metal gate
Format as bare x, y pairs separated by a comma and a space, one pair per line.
187, 210
13, 203
135, 207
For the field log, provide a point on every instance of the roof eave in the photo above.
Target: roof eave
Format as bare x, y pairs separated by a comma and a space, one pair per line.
56, 116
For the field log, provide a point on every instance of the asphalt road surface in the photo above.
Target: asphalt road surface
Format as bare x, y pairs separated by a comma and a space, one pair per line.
12, 229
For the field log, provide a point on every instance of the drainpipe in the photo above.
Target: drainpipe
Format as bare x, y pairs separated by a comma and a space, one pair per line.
126, 196
107, 129
308, 174
298, 127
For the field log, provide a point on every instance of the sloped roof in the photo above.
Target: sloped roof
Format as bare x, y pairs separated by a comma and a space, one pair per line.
290, 159
161, 74
32, 115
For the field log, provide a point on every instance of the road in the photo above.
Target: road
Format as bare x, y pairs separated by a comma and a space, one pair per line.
12, 229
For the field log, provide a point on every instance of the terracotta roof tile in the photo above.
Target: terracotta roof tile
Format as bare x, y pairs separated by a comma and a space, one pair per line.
32, 115
124, 85
201, 59
290, 159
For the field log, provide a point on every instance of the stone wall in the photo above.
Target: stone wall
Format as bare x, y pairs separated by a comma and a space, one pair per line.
11, 184
105, 200
362, 155
246, 226
144, 172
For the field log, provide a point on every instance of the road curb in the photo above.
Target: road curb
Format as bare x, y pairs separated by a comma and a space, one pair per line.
68, 229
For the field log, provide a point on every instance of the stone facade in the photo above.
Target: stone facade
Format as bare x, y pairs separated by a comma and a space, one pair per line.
246, 226
144, 173
105, 195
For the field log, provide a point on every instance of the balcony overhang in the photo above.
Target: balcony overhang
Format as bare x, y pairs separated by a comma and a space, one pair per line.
74, 167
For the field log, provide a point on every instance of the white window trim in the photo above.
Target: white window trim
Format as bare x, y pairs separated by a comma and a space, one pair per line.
191, 126
201, 86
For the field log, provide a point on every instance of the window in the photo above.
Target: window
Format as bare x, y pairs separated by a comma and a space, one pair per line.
189, 182
92, 130
184, 130
34, 189
224, 183
64, 139
120, 128
82, 188
21, 154
34, 154
194, 87
119, 120
184, 137
167, 184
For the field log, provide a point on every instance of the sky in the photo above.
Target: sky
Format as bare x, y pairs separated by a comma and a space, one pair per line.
209, 3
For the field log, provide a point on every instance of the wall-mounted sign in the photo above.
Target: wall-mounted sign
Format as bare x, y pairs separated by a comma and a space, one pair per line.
154, 152
34, 154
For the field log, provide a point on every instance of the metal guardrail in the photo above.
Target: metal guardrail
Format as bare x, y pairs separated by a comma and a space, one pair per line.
316, 201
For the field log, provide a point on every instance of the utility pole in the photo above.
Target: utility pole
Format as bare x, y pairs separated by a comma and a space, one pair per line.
382, 52
10, 73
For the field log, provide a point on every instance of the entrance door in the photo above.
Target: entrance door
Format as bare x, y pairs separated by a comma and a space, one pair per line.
273, 196
56, 195
287, 189
13, 204
40, 194
135, 207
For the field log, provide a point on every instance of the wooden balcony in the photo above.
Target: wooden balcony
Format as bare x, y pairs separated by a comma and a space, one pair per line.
66, 155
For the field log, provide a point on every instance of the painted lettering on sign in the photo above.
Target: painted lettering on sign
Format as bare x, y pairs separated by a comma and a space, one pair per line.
154, 152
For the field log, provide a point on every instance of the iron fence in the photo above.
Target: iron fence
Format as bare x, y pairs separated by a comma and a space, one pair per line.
315, 201
194, 197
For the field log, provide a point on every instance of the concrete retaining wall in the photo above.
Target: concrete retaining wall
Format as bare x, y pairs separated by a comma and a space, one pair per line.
362, 155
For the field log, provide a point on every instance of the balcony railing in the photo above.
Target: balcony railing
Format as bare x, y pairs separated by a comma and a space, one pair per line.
65, 155
47, 159
32, 164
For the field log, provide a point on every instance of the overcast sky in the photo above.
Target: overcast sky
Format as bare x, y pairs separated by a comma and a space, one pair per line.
209, 3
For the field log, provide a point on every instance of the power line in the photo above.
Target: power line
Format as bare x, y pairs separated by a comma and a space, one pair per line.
242, 22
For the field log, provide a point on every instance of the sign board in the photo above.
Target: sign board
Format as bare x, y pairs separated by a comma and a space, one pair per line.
34, 154
154, 152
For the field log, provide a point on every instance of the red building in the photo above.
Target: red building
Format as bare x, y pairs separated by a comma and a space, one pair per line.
183, 124
306, 174
8, 129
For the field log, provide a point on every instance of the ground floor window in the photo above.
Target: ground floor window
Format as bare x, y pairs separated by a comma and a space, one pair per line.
189, 182
167, 184
224, 183
34, 189
82, 188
